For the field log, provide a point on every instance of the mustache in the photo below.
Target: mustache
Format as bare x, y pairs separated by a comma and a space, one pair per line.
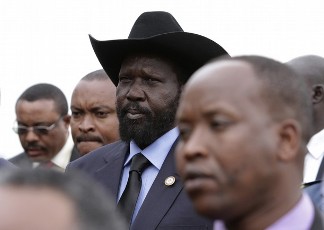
34, 145
134, 106
86, 137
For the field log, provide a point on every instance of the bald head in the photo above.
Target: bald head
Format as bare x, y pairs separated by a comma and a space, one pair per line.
283, 91
244, 125
99, 75
311, 69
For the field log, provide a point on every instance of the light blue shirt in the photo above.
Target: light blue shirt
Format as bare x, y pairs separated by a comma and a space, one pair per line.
156, 154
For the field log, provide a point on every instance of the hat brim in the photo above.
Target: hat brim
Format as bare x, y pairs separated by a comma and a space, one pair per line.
192, 50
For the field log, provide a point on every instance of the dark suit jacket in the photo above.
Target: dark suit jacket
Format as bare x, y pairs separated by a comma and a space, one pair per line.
23, 161
5, 164
165, 207
318, 222
313, 189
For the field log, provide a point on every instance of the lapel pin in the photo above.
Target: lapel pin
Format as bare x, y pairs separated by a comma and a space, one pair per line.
169, 181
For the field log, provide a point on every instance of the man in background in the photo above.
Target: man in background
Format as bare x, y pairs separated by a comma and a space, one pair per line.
94, 121
42, 124
241, 149
311, 69
49, 200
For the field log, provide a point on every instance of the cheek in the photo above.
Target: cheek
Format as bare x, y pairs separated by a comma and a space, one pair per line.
73, 125
121, 93
235, 156
166, 96
180, 160
244, 164
74, 131
108, 128
22, 139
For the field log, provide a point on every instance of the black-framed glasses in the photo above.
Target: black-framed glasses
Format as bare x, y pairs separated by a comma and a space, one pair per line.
37, 129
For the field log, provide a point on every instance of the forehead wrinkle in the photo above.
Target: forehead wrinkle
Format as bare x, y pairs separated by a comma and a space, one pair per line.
211, 110
99, 107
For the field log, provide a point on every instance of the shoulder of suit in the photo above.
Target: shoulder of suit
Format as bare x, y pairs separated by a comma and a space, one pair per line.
100, 155
20, 157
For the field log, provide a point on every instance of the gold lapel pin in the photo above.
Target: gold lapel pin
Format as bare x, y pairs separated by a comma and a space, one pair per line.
169, 181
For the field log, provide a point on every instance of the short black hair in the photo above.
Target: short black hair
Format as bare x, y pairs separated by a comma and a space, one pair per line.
284, 91
47, 92
93, 207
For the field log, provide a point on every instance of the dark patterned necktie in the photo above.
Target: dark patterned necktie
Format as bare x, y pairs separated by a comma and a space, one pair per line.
129, 197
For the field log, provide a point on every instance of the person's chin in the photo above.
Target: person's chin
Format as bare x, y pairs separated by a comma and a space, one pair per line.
86, 147
39, 157
34, 153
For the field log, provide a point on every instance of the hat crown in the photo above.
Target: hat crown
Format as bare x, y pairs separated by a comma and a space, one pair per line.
150, 24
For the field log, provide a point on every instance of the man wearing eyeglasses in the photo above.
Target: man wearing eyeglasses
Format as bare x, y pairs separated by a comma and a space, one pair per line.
42, 124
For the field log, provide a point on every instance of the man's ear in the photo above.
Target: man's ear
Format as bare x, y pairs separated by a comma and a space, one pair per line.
67, 119
318, 93
290, 140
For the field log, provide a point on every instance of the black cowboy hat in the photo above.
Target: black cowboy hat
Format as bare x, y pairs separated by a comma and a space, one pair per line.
157, 31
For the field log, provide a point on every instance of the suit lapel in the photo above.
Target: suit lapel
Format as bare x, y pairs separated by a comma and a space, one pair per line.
74, 154
320, 172
318, 220
24, 161
110, 173
160, 197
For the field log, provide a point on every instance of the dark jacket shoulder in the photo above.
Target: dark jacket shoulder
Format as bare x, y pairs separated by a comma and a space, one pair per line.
21, 160
5, 164
313, 189
98, 157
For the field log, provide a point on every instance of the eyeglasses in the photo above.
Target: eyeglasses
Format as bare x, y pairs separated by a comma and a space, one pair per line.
38, 129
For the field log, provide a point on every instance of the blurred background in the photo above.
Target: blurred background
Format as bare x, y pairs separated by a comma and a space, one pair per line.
47, 41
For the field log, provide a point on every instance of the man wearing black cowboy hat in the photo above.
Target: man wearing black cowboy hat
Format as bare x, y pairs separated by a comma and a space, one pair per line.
149, 69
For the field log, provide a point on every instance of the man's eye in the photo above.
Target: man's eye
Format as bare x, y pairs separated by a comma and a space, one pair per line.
220, 125
101, 114
41, 130
124, 79
76, 114
184, 133
151, 80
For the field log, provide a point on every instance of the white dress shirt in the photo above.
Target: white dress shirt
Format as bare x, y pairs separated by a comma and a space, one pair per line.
314, 156
64, 155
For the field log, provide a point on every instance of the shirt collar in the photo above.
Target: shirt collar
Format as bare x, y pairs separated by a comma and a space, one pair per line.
62, 158
157, 151
316, 144
302, 215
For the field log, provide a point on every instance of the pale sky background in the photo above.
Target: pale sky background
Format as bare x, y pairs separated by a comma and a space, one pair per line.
47, 41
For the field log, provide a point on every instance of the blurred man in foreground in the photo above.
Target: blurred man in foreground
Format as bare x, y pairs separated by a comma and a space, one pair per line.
241, 149
46, 199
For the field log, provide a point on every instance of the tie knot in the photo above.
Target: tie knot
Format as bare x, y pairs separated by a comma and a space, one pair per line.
139, 163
